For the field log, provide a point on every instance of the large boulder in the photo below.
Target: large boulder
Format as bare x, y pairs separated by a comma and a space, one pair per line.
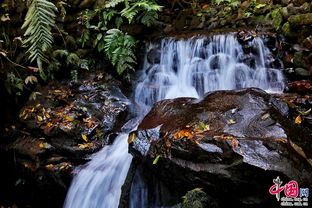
230, 143
55, 133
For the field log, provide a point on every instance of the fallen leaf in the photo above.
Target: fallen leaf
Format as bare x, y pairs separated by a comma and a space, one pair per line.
69, 119
41, 145
39, 118
197, 189
98, 132
168, 144
298, 120
86, 145
290, 104
65, 164
305, 113
131, 138
49, 124
234, 143
57, 91
84, 137
184, 133
156, 160
50, 166
280, 140
298, 149
38, 105
232, 121
203, 126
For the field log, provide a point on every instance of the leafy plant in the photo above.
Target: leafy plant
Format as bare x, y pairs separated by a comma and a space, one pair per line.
39, 19
119, 49
148, 9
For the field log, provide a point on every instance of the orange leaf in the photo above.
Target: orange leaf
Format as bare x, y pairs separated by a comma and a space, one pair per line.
68, 118
84, 137
184, 133
298, 120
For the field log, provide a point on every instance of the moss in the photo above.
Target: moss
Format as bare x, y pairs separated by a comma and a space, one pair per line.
300, 19
195, 199
287, 30
277, 18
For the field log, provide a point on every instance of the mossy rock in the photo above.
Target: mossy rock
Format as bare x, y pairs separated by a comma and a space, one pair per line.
262, 9
277, 18
300, 19
195, 198
302, 72
297, 60
287, 30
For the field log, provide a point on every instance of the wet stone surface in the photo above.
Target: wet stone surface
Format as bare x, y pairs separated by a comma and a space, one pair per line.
231, 143
56, 132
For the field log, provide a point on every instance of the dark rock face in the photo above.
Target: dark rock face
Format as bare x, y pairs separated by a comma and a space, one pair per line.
231, 143
57, 131
153, 56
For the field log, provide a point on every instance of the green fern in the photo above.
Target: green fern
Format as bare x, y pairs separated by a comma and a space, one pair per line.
147, 7
113, 3
39, 19
119, 48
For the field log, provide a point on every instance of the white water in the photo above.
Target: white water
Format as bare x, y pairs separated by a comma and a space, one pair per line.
187, 68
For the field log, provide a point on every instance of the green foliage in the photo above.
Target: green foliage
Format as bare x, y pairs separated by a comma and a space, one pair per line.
231, 3
39, 19
14, 84
119, 49
147, 8
113, 3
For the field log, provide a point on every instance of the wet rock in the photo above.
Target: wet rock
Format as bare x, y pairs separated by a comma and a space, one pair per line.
227, 142
245, 4
153, 56
59, 129
307, 43
302, 72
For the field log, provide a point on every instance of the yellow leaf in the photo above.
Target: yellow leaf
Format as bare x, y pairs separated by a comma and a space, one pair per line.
47, 115
32, 110
41, 145
183, 133
298, 120
49, 166
86, 145
305, 113
57, 91
84, 137
156, 160
132, 137
290, 104
197, 189
280, 140
68, 118
232, 121
39, 118
38, 105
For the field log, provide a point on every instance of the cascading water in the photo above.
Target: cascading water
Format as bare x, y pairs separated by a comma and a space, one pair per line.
186, 68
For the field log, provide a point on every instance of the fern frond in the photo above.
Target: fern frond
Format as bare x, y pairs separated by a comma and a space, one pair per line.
39, 19
119, 49
113, 3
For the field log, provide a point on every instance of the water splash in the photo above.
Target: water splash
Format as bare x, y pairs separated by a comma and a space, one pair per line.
186, 68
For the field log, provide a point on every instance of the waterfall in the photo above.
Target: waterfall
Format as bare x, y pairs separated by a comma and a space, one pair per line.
184, 68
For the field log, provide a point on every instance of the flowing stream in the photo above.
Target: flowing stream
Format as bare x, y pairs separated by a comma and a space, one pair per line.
185, 68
